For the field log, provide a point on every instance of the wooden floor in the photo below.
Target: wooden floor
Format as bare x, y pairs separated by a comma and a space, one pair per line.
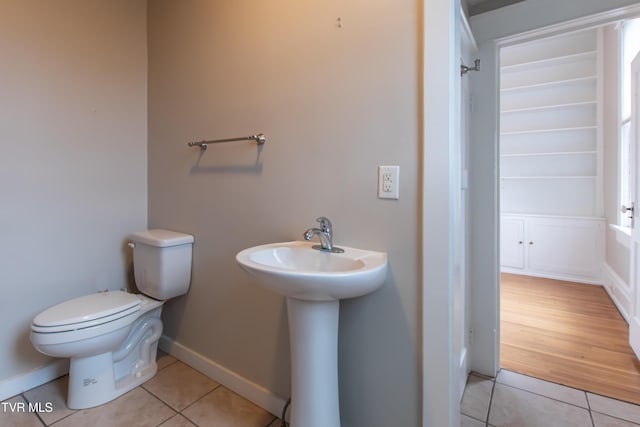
567, 333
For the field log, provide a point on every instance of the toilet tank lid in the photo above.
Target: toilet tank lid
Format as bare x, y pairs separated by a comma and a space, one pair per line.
161, 238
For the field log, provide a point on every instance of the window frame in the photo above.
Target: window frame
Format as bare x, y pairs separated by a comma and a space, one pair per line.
625, 171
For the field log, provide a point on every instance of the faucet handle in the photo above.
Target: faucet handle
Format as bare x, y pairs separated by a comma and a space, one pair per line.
325, 224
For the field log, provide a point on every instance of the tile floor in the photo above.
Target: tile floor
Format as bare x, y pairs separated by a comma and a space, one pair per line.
178, 396
513, 399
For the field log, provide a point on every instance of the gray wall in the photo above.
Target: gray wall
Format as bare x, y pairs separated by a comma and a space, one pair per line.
72, 157
334, 103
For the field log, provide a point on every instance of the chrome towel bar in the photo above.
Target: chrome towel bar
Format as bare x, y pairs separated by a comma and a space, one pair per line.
259, 138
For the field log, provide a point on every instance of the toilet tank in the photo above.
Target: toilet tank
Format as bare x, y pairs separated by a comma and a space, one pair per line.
162, 262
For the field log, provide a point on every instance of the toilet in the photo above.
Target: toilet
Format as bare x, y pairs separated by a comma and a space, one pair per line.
111, 338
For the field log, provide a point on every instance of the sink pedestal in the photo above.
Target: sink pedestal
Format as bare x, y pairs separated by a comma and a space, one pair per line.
313, 335
314, 282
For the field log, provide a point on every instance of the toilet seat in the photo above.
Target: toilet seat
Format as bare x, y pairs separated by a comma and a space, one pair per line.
86, 312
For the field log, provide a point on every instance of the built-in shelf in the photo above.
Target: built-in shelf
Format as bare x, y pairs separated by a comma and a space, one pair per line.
569, 129
550, 147
549, 71
556, 153
549, 107
590, 54
578, 80
550, 177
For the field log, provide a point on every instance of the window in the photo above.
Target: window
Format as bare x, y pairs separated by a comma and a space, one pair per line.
629, 47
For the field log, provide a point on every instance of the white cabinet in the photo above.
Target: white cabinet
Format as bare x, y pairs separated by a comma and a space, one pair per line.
512, 243
550, 144
565, 248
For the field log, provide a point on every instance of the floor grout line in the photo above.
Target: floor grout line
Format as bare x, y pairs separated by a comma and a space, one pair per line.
493, 388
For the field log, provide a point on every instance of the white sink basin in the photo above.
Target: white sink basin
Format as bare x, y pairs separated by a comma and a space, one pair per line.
295, 270
314, 282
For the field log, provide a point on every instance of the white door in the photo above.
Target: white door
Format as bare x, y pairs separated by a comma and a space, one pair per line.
634, 183
459, 184
512, 243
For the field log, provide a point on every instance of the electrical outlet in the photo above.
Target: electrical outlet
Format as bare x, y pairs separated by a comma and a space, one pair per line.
388, 182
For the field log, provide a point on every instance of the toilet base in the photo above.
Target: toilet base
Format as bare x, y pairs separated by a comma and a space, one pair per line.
95, 380
92, 383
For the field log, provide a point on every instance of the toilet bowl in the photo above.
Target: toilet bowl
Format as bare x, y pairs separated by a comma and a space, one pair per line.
111, 338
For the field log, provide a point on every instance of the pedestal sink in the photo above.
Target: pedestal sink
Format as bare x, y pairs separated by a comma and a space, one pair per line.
313, 282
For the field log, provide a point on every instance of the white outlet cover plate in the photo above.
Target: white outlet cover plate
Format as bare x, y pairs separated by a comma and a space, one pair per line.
388, 182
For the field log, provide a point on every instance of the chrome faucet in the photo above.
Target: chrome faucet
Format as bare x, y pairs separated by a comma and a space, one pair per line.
325, 234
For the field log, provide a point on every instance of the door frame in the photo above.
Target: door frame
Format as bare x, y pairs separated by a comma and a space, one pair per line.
634, 250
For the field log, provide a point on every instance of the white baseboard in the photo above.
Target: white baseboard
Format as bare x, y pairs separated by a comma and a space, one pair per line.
16, 385
231, 380
244, 387
555, 276
618, 290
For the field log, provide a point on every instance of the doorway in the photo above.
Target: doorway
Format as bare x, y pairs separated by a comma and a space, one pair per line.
519, 23
552, 217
